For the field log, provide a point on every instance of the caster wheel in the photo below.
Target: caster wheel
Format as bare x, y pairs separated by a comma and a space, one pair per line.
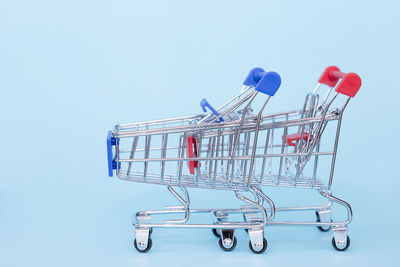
322, 228
215, 232
225, 245
262, 250
144, 250
341, 248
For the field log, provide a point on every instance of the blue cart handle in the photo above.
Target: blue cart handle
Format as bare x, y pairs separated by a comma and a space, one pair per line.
112, 163
204, 104
264, 82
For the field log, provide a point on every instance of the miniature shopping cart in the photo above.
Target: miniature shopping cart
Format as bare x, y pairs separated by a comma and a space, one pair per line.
234, 148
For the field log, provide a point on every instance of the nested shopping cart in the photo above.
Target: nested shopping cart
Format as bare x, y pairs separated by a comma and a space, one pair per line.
234, 148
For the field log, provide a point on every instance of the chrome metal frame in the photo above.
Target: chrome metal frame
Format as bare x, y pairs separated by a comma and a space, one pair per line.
242, 154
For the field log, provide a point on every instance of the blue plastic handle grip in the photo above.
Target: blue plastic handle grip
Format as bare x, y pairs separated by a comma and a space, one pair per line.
264, 82
204, 103
254, 77
112, 164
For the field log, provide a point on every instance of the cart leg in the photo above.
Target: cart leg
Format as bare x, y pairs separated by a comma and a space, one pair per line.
219, 216
324, 215
143, 218
249, 216
340, 240
142, 241
257, 243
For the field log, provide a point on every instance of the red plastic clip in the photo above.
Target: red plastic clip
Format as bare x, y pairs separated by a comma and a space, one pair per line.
295, 137
191, 152
349, 85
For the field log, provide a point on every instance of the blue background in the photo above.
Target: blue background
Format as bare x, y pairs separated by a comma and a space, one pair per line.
70, 70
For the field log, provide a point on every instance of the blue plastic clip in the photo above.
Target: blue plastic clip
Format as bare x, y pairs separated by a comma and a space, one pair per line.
264, 82
112, 164
204, 104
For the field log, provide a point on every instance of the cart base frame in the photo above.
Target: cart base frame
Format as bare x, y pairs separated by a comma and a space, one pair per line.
254, 221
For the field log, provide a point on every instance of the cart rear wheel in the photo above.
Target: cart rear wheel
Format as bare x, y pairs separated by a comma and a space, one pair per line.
144, 250
227, 244
322, 228
262, 250
215, 232
341, 249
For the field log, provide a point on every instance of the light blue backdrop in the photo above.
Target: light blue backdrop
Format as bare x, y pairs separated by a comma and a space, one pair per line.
70, 70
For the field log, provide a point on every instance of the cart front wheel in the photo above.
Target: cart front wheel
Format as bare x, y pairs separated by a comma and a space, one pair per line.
145, 249
227, 244
262, 250
341, 248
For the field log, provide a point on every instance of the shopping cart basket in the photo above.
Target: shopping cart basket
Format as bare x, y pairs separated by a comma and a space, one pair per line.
233, 149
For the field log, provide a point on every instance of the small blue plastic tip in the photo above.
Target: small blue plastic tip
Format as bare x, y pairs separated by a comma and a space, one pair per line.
264, 82
204, 103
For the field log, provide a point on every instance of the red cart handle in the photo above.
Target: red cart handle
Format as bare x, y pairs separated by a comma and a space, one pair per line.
349, 85
191, 152
295, 137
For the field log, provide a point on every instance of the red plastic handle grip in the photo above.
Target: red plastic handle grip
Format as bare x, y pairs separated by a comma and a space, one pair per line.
290, 138
349, 85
